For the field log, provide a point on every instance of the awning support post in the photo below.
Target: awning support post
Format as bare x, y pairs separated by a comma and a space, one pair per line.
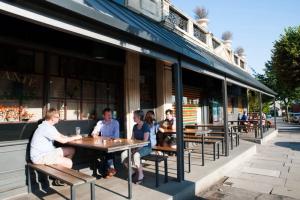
225, 114
260, 116
274, 108
177, 71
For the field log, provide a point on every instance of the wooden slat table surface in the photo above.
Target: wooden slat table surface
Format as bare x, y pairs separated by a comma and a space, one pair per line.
107, 144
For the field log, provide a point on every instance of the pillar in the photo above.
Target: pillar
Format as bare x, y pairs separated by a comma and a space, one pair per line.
163, 89
225, 115
179, 119
131, 89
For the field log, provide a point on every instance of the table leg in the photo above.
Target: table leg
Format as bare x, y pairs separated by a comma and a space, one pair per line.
129, 175
202, 149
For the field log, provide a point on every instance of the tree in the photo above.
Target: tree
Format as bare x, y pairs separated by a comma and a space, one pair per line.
285, 58
285, 94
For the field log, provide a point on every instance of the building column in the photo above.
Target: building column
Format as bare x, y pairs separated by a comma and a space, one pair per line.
131, 89
163, 89
179, 119
225, 115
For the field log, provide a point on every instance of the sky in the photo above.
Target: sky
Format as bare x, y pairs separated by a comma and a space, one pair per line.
255, 24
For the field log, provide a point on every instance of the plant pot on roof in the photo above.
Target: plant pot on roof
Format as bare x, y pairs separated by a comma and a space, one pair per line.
201, 14
240, 52
227, 39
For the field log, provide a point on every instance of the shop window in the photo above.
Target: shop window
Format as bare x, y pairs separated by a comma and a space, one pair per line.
20, 97
147, 83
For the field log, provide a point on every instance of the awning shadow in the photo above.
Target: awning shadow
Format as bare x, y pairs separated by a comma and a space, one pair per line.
292, 145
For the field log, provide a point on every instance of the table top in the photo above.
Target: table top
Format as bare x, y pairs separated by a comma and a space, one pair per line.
188, 131
206, 125
107, 144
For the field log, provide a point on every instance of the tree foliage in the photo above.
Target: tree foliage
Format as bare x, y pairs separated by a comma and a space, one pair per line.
282, 73
286, 58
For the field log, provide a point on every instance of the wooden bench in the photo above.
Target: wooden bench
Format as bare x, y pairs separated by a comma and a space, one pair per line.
157, 159
71, 177
221, 138
167, 149
208, 141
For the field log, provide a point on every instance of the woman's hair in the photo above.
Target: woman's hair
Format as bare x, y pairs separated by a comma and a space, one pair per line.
150, 117
169, 111
140, 114
50, 113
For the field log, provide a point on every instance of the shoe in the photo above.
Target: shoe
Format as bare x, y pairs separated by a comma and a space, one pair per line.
139, 182
111, 172
57, 182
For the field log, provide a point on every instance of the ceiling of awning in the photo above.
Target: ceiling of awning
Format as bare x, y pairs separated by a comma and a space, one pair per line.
120, 18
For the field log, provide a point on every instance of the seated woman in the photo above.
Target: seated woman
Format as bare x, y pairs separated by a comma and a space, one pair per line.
141, 131
153, 125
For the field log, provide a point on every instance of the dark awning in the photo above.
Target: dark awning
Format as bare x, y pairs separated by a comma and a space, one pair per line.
118, 17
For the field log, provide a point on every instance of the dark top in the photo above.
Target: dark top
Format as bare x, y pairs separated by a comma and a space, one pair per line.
244, 118
139, 133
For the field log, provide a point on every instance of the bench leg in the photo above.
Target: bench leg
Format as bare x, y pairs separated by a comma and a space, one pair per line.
29, 179
223, 146
236, 140
202, 146
73, 193
166, 170
218, 150
231, 141
214, 149
92, 190
189, 161
156, 174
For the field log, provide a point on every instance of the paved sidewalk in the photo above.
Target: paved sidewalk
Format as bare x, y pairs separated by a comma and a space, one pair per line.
273, 173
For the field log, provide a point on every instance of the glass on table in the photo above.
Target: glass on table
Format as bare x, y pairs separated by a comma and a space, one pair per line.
77, 130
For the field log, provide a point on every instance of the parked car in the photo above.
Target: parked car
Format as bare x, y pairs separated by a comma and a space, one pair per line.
295, 117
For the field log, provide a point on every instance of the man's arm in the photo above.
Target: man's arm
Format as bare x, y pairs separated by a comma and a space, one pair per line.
117, 130
96, 129
65, 139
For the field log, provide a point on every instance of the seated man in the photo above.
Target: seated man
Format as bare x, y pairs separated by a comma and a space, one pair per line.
170, 124
42, 150
108, 127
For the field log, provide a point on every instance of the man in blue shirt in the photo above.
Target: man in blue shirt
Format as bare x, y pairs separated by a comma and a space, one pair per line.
108, 127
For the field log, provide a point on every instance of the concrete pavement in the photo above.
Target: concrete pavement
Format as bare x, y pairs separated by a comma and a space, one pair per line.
272, 173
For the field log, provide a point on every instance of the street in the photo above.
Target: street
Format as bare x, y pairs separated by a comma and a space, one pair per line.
272, 173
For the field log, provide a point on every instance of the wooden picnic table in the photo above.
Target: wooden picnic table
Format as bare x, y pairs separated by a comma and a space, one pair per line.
191, 131
111, 145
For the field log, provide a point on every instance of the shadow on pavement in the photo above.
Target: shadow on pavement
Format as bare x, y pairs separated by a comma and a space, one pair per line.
292, 145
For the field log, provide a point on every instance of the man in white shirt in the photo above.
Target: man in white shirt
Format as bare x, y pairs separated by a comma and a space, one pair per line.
110, 128
42, 150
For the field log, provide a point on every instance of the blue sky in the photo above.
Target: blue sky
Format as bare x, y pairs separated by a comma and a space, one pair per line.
255, 24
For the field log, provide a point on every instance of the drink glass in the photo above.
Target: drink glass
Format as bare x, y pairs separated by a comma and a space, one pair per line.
77, 130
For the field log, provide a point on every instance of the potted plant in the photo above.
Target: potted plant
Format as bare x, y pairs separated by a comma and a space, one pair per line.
240, 52
201, 14
227, 38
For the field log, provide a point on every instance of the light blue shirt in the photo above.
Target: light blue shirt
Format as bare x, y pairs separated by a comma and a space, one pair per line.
42, 141
107, 128
153, 130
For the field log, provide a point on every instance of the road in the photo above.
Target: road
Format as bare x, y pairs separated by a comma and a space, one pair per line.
272, 173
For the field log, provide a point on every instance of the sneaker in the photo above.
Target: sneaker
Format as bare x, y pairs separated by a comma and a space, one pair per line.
57, 182
111, 172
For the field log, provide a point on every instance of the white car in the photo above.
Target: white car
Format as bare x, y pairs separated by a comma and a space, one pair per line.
295, 117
